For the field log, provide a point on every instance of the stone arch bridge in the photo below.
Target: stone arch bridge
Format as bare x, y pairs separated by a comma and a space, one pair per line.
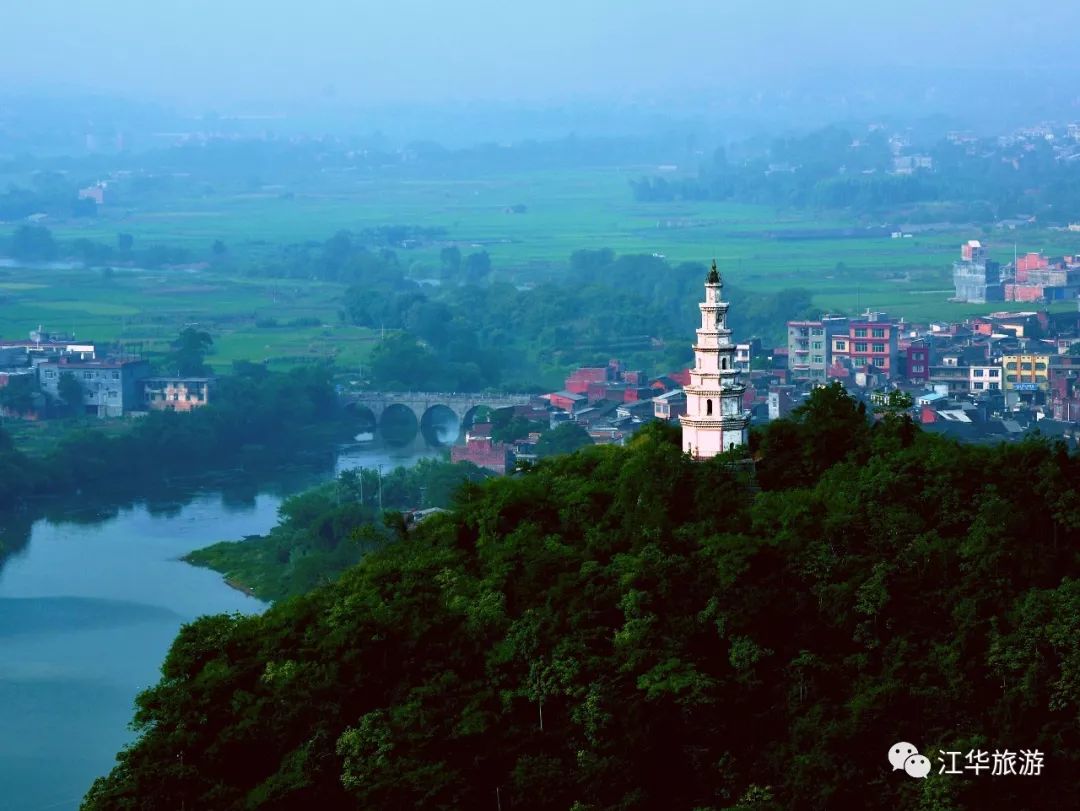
424, 418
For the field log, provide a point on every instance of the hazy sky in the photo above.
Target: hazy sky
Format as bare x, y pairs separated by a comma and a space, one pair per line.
266, 52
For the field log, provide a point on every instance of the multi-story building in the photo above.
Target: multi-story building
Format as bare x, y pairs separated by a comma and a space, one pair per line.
976, 277
810, 346
110, 388
984, 378
870, 343
950, 376
916, 361
1026, 372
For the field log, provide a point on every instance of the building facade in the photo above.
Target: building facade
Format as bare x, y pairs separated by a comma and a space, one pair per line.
976, 278
1026, 372
176, 393
715, 420
810, 346
918, 362
984, 378
110, 388
870, 342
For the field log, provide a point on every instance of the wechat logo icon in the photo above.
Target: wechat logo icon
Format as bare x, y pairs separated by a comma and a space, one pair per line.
904, 756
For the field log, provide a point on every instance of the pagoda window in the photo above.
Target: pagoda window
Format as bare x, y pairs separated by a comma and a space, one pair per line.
708, 408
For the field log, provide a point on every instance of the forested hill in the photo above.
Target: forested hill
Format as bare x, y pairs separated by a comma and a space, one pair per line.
622, 628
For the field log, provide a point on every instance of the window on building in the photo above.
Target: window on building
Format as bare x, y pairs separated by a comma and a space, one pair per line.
817, 331
1010, 378
994, 386
116, 375
1025, 367
817, 345
977, 386
1010, 365
818, 359
995, 373
708, 407
88, 375
860, 347
841, 346
1040, 366
878, 332
977, 372
916, 369
879, 347
860, 332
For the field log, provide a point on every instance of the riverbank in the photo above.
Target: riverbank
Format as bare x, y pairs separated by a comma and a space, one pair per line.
330, 527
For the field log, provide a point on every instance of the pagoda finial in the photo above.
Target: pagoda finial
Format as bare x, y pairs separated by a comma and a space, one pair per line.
714, 274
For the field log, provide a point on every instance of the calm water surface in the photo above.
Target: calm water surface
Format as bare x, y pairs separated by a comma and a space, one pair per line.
88, 608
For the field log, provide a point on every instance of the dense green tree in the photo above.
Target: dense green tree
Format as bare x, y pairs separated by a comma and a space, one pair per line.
565, 438
70, 391
477, 267
400, 362
450, 261
33, 243
18, 395
188, 358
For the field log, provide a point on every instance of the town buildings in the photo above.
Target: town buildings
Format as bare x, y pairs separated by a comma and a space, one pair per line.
1036, 277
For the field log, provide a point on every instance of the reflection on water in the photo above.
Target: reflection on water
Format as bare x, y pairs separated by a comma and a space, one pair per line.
91, 596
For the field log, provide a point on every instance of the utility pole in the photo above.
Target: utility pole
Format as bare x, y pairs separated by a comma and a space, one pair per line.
361, 486
380, 489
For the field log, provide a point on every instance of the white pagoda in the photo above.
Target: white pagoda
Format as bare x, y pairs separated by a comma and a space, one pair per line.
715, 420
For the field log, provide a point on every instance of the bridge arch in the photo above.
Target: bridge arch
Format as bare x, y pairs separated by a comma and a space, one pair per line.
367, 421
440, 426
398, 425
406, 417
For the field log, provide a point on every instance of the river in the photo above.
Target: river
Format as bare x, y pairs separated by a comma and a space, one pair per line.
88, 608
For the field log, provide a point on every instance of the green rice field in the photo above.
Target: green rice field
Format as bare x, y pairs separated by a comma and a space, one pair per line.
758, 248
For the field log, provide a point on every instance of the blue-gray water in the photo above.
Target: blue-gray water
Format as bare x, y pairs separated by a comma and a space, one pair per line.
87, 612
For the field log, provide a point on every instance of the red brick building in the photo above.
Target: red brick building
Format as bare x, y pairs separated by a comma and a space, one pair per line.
483, 451
579, 381
568, 401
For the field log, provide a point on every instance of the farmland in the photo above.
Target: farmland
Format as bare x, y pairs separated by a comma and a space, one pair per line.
761, 249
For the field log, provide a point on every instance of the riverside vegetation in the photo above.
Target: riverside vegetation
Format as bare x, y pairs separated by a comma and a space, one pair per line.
624, 628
